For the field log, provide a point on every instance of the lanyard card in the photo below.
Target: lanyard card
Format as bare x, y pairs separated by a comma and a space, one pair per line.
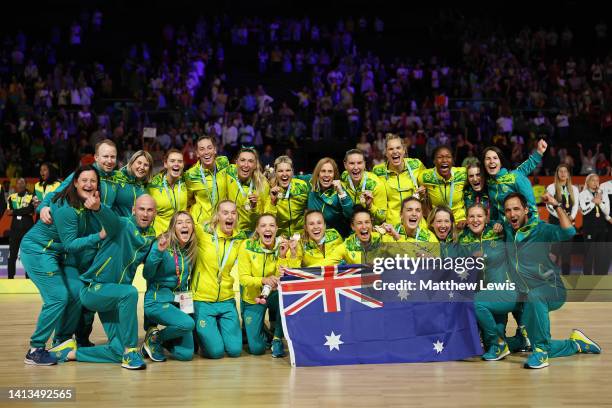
185, 301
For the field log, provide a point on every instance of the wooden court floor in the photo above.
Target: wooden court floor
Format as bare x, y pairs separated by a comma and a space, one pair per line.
581, 380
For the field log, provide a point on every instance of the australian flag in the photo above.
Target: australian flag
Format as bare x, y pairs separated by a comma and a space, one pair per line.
329, 318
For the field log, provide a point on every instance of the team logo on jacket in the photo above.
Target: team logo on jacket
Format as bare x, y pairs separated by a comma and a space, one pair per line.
202, 323
248, 320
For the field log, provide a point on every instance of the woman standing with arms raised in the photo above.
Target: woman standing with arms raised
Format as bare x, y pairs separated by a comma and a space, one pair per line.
212, 284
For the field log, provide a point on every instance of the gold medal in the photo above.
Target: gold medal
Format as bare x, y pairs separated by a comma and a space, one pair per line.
567, 205
597, 214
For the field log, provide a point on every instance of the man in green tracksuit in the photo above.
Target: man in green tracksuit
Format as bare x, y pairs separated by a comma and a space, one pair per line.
538, 280
109, 289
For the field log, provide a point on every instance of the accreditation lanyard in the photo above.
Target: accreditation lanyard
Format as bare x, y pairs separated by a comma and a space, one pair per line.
174, 203
318, 245
288, 192
410, 174
242, 190
443, 190
212, 191
363, 183
221, 263
416, 236
286, 197
327, 199
179, 270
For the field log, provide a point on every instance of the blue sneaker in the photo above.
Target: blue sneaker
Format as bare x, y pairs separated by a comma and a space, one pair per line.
61, 350
585, 344
152, 346
537, 359
278, 349
132, 360
41, 357
496, 352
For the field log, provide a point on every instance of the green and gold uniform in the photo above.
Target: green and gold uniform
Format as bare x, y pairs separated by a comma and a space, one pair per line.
255, 262
129, 188
41, 189
42, 250
444, 192
208, 188
312, 254
169, 200
290, 207
109, 289
239, 192
352, 251
167, 274
369, 182
506, 182
108, 188
217, 322
399, 186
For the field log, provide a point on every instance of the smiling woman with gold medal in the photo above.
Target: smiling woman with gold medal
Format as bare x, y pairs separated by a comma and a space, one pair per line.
248, 188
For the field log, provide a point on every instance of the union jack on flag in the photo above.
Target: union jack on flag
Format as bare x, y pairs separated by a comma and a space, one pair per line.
328, 283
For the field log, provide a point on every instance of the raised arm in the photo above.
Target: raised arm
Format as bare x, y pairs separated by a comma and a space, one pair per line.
111, 222
155, 257
529, 165
67, 221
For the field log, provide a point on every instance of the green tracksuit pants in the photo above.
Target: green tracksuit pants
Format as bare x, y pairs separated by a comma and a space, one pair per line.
538, 303
116, 305
492, 324
253, 320
71, 324
59, 308
218, 328
178, 334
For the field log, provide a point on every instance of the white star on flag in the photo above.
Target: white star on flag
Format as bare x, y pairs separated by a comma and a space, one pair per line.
438, 346
464, 275
333, 341
403, 294
451, 295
